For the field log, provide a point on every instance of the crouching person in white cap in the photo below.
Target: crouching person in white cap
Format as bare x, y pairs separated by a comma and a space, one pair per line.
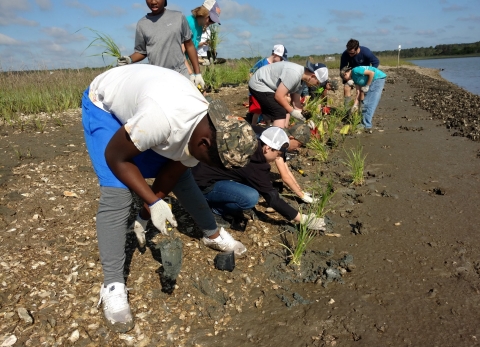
143, 121
271, 84
230, 192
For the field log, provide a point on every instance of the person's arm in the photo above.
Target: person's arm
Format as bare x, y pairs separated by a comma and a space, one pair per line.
192, 55
373, 59
136, 57
370, 74
296, 100
288, 177
280, 97
189, 68
119, 155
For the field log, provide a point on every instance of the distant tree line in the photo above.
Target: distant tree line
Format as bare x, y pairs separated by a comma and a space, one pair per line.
438, 50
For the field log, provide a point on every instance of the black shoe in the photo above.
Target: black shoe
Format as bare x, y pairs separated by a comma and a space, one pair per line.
239, 224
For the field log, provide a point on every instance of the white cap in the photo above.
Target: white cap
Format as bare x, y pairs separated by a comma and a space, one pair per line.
275, 138
209, 4
322, 74
281, 51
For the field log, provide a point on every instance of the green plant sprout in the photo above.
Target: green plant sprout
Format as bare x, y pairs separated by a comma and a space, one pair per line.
356, 163
106, 43
320, 149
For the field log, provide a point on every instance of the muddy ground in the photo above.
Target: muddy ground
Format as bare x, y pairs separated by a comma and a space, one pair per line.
405, 270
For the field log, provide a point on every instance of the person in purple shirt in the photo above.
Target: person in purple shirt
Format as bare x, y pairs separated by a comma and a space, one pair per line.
355, 55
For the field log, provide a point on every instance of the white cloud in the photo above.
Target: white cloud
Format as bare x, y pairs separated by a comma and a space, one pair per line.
453, 8
44, 4
306, 32
7, 40
333, 40
138, 5
347, 15
114, 11
62, 36
233, 10
8, 16
244, 34
425, 32
132, 27
472, 18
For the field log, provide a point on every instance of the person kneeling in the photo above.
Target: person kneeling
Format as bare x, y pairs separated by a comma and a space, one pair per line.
230, 192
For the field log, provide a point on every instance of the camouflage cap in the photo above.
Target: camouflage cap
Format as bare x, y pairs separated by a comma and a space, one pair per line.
300, 132
236, 140
333, 84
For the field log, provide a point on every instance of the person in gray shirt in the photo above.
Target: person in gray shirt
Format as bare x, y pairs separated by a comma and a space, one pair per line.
271, 84
159, 36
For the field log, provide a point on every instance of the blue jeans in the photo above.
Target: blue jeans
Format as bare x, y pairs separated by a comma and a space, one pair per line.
370, 103
231, 198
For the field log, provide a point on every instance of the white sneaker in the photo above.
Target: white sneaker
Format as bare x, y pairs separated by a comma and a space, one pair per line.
116, 308
225, 243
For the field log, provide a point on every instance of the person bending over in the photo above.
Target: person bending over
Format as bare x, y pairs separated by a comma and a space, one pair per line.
230, 192
270, 85
355, 55
370, 81
143, 121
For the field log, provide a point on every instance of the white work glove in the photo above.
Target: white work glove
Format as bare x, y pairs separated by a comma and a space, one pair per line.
350, 83
197, 79
311, 124
138, 227
307, 197
313, 222
297, 114
161, 213
124, 60
354, 109
365, 89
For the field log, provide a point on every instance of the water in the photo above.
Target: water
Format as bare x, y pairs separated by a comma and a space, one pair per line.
464, 72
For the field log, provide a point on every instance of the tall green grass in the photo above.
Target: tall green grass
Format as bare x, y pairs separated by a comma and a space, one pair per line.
33, 92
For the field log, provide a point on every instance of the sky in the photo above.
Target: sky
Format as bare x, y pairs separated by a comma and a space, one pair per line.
49, 34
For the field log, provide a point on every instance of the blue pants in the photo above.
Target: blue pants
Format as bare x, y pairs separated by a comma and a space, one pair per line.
115, 198
370, 103
231, 198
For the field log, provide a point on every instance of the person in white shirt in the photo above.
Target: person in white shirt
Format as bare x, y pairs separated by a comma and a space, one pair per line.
144, 121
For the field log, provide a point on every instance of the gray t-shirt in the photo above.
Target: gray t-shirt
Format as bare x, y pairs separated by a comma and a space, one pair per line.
160, 37
269, 77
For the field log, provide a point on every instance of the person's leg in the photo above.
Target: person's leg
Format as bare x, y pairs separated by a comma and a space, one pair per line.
190, 196
231, 198
271, 109
112, 216
372, 98
113, 211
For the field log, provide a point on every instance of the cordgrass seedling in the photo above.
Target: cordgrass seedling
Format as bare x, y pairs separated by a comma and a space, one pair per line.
356, 163
106, 43
320, 149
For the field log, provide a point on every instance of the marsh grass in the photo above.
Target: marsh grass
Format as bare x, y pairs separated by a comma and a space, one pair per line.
319, 148
106, 44
300, 241
322, 205
356, 163
32, 92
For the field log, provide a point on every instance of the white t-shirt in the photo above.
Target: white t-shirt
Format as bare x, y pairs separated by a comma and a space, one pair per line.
202, 51
269, 77
159, 107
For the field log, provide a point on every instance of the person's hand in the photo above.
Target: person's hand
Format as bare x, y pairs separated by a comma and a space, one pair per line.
365, 89
124, 60
297, 114
307, 197
160, 214
354, 109
313, 222
198, 80
350, 83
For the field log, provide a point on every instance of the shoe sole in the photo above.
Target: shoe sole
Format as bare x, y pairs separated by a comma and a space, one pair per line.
119, 327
